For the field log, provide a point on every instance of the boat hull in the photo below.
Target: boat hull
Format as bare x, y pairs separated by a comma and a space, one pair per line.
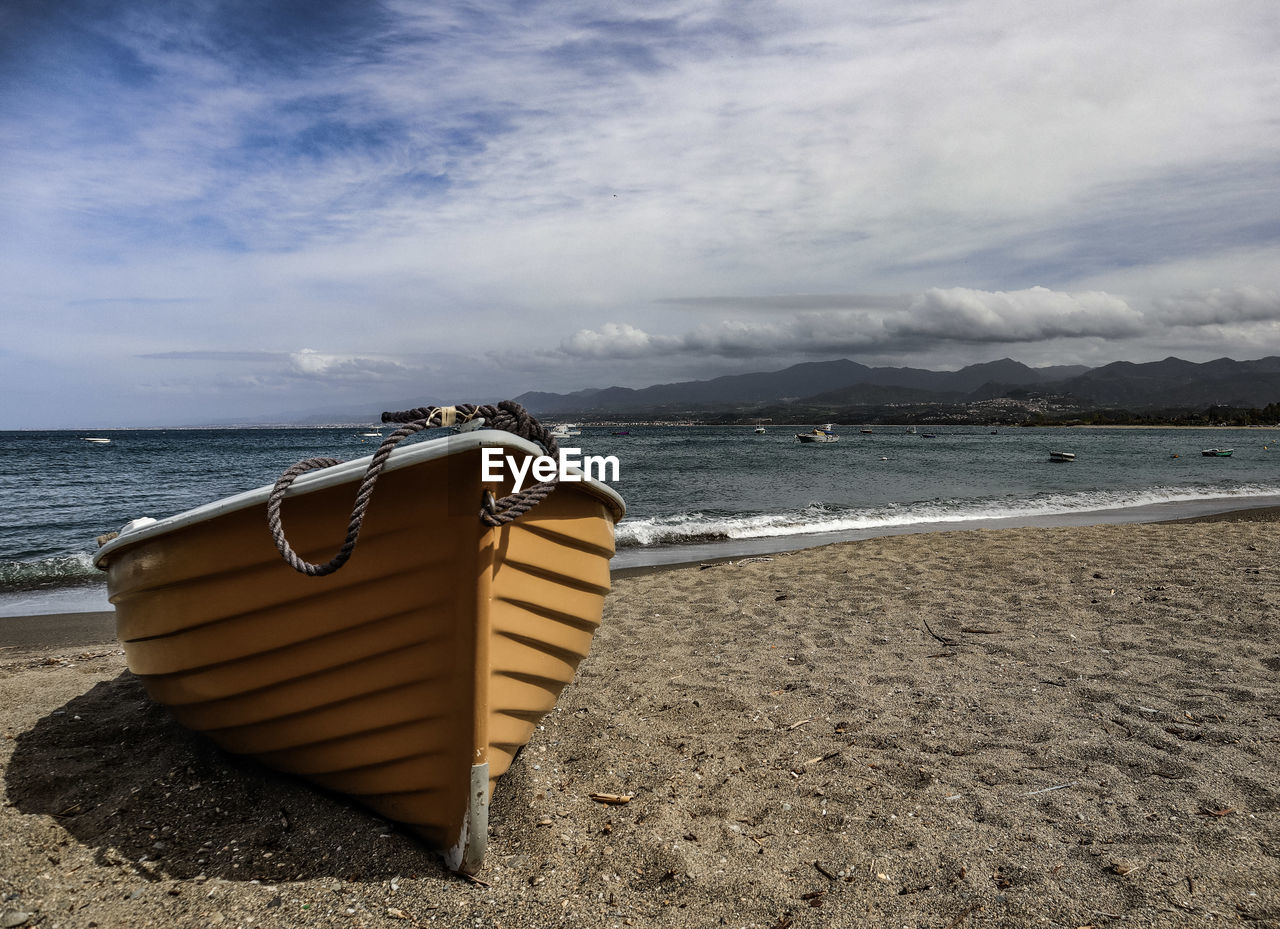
407, 680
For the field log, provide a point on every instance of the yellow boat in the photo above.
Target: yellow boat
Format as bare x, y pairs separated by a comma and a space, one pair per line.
409, 679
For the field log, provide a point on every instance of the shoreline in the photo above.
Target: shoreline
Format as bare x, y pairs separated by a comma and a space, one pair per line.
22, 630
81, 599
652, 557
1264, 512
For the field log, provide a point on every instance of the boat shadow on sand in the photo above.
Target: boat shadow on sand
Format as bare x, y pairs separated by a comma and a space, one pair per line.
119, 774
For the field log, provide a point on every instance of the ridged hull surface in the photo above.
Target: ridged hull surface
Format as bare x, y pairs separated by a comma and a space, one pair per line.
437, 647
550, 578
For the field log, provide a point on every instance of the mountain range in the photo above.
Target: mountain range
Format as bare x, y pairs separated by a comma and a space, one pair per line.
1169, 384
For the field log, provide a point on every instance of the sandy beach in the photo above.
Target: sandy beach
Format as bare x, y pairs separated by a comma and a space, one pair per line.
1020, 727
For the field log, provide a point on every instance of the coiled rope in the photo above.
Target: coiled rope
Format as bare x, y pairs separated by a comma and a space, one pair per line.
508, 416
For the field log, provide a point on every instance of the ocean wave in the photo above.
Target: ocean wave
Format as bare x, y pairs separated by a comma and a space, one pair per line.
695, 527
58, 571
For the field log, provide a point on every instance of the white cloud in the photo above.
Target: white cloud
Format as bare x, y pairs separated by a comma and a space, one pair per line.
1220, 305
955, 315
618, 340
313, 364
964, 315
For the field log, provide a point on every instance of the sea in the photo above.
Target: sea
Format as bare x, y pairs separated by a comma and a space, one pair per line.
692, 492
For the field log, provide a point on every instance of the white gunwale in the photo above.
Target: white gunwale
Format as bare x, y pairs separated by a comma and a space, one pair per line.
404, 456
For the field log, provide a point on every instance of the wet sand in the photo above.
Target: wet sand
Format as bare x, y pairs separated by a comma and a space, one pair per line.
1021, 727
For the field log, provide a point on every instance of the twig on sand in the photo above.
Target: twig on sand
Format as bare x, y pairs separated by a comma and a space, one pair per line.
944, 641
963, 916
1047, 789
1224, 811
611, 799
799, 724
1124, 868
823, 871
827, 757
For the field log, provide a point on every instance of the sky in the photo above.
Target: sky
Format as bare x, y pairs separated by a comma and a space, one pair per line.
233, 211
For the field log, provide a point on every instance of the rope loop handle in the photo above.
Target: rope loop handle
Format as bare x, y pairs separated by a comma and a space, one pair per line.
507, 415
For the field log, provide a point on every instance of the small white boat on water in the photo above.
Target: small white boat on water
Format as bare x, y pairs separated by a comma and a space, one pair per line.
1217, 452
565, 431
911, 430
97, 440
759, 430
1062, 456
821, 434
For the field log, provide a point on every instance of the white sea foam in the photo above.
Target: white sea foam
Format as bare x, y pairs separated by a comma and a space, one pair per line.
817, 518
57, 571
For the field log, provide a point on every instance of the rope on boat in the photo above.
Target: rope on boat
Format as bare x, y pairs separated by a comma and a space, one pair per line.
508, 416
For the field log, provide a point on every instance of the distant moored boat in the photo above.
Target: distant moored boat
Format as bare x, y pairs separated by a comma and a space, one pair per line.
820, 435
